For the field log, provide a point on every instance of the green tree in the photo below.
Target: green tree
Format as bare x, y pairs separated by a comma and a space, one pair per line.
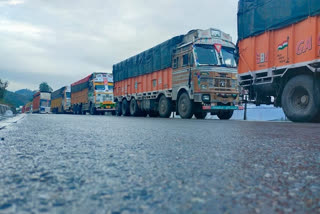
44, 87
3, 86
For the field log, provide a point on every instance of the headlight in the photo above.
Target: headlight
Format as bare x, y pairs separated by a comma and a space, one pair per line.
206, 98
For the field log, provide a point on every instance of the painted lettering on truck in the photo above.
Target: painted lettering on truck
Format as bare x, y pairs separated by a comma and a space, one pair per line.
291, 78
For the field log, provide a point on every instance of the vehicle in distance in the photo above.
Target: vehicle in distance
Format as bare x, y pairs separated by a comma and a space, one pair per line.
279, 58
41, 102
191, 74
61, 100
93, 94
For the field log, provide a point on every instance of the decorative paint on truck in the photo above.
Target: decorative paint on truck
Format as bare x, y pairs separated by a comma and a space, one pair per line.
41, 102
61, 100
283, 66
93, 94
191, 75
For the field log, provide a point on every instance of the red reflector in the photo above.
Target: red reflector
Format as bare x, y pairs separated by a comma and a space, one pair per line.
218, 47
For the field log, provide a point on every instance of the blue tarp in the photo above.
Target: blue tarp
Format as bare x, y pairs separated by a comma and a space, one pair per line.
257, 16
154, 59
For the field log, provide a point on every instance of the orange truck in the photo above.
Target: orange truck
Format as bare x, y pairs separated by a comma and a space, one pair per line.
279, 55
192, 74
93, 94
41, 102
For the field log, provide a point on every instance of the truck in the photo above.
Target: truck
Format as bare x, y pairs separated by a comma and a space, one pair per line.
61, 100
27, 108
41, 102
93, 94
191, 74
279, 55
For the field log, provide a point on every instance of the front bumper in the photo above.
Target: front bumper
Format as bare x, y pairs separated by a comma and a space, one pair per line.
213, 107
106, 107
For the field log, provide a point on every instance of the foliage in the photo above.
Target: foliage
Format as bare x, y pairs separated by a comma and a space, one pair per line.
3, 86
44, 87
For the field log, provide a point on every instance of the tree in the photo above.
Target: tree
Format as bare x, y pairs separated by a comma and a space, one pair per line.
44, 87
3, 86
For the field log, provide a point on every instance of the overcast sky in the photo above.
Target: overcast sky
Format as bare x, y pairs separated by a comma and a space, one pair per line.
62, 41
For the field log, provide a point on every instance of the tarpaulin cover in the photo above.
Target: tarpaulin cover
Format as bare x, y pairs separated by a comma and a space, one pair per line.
58, 93
154, 59
81, 84
258, 16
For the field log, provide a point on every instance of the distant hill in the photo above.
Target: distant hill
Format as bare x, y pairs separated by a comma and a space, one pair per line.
25, 92
18, 98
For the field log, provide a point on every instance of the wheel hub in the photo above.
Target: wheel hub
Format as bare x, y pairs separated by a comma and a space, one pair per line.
300, 98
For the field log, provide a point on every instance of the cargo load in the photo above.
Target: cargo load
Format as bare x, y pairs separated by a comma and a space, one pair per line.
279, 55
258, 16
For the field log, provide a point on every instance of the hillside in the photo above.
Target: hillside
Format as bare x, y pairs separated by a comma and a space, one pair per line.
25, 92
16, 99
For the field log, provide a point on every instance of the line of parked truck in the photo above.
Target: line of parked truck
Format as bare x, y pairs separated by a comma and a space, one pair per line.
276, 61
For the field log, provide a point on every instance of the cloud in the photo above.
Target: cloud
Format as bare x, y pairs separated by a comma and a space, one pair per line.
10, 2
62, 41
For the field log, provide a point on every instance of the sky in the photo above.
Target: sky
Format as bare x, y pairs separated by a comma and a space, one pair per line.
60, 42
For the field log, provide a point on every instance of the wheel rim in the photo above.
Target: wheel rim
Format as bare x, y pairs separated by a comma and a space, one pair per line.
183, 105
300, 98
163, 106
133, 106
124, 107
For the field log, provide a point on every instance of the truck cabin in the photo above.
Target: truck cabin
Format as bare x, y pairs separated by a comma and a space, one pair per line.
210, 56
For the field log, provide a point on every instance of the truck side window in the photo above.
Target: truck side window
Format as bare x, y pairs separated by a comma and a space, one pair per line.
185, 60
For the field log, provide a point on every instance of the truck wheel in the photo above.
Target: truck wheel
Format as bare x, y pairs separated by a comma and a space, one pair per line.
225, 114
118, 109
185, 106
125, 108
134, 108
200, 115
300, 99
165, 107
92, 110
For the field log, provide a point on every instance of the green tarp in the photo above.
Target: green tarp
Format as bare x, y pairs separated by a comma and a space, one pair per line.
154, 59
258, 16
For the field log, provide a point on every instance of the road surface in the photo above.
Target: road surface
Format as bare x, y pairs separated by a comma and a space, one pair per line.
105, 164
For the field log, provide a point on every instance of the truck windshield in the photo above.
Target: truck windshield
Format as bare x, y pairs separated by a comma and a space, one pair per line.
100, 87
228, 57
205, 55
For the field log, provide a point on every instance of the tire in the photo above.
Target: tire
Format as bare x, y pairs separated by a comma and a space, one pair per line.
125, 108
165, 107
92, 110
77, 109
185, 106
118, 109
301, 99
134, 108
225, 114
153, 114
200, 115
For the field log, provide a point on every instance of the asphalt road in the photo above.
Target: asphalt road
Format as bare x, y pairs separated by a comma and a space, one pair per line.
105, 164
